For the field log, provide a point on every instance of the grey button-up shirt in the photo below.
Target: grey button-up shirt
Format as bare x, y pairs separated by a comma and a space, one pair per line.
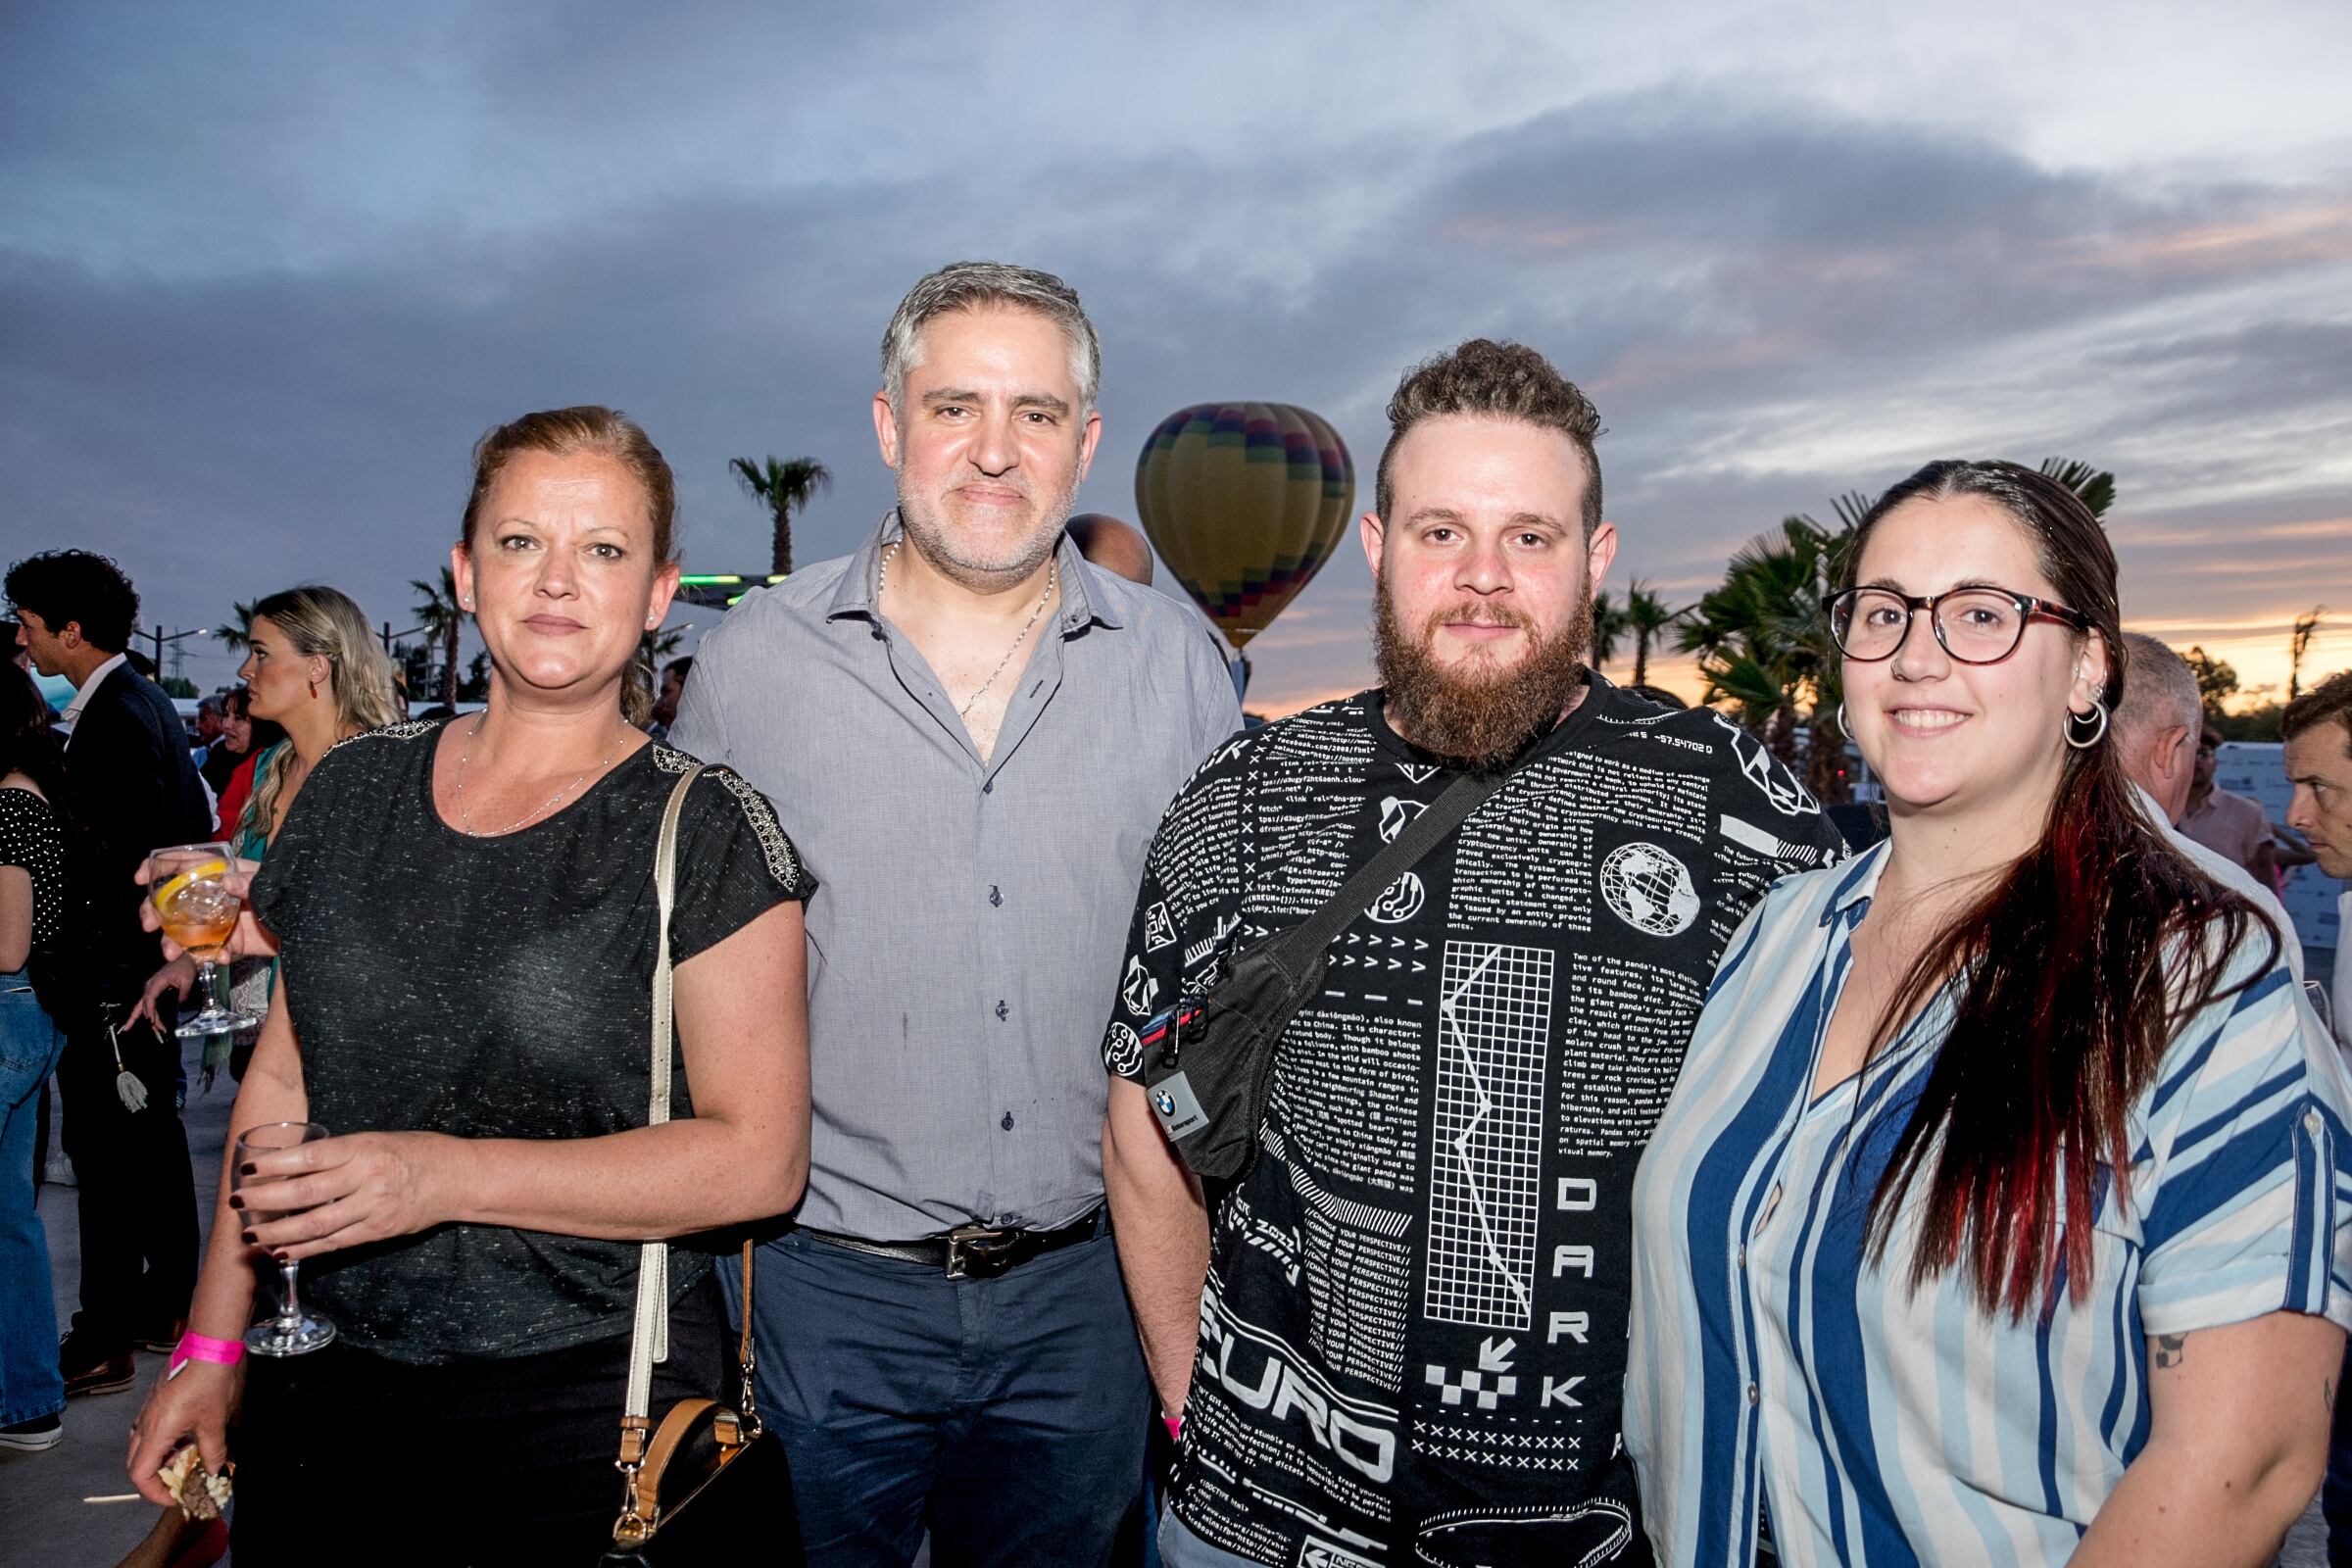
966, 936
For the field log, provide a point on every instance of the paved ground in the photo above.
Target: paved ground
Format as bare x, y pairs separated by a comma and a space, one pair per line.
41, 1494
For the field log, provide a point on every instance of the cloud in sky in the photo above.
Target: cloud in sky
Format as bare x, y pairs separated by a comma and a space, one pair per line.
270, 272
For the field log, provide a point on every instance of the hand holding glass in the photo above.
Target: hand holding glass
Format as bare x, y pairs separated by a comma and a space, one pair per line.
293, 1331
199, 912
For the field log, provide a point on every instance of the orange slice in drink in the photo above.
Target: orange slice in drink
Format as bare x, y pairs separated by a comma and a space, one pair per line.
171, 890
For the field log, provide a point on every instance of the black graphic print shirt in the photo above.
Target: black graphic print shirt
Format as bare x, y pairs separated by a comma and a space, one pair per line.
1412, 1340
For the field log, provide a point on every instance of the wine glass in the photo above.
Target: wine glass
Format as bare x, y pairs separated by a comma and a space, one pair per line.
293, 1331
200, 913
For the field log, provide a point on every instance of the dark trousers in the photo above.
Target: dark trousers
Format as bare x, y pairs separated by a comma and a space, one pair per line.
350, 1458
1007, 1415
136, 1191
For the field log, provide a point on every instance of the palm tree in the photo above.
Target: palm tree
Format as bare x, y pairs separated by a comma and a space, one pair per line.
441, 618
2298, 643
2096, 486
783, 488
1764, 644
237, 636
1609, 628
1647, 618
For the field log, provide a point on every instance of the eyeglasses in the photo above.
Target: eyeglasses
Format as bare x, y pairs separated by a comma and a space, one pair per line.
1975, 625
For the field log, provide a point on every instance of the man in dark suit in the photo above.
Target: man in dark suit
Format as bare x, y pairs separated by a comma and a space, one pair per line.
133, 788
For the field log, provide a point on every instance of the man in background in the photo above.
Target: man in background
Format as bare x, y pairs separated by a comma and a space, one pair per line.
208, 715
134, 789
1114, 545
2158, 726
2228, 825
665, 701
2317, 727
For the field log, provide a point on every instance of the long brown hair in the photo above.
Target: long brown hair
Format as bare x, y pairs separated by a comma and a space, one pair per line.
2078, 965
607, 433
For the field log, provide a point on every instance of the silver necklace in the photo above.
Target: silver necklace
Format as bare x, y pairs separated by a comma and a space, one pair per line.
1053, 581
466, 818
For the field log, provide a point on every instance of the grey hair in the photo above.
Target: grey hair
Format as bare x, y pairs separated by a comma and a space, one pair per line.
2159, 688
971, 285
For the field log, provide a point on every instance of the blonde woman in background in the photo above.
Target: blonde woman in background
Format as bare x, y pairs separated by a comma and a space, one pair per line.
312, 666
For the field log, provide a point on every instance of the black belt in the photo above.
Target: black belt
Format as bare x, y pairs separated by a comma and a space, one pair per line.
972, 1252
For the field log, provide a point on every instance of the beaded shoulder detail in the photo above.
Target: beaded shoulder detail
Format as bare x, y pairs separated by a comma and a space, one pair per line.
411, 729
782, 862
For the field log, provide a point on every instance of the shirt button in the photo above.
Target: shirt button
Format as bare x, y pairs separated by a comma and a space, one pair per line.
1743, 1257
995, 895
1002, 1011
989, 788
1751, 1394
2311, 1121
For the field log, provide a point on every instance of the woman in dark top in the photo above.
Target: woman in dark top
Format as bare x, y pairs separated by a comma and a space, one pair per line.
33, 895
465, 922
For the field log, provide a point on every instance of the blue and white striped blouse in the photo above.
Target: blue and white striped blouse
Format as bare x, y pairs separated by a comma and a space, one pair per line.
1771, 1363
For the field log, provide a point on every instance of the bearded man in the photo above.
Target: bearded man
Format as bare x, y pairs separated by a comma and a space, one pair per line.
968, 732
1400, 1338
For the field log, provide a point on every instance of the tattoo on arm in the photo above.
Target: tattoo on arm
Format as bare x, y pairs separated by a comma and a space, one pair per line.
2170, 1350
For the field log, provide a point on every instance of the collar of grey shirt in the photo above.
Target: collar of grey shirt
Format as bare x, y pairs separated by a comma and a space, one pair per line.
855, 596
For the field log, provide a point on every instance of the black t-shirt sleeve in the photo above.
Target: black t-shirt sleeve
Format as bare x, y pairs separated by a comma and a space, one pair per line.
1185, 922
735, 863
307, 838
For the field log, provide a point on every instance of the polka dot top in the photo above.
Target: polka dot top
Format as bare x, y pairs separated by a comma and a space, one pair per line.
31, 837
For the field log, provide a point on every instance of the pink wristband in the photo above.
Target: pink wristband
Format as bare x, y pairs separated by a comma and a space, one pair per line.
1175, 1427
201, 1347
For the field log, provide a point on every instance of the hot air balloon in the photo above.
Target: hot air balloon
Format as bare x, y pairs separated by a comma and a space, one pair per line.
1244, 500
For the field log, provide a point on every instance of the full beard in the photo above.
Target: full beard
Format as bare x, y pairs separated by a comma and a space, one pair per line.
1480, 712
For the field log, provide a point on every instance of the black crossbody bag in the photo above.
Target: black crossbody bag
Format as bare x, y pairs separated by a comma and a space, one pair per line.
1210, 1070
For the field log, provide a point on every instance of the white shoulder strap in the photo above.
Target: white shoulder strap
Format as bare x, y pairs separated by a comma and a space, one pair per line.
650, 1342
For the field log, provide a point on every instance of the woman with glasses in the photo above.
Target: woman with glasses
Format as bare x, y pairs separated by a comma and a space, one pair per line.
1999, 1215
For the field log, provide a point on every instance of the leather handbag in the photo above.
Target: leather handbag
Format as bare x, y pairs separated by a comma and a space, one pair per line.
706, 1483
1209, 1066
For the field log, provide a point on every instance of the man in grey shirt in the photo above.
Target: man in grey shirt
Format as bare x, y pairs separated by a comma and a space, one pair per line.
970, 735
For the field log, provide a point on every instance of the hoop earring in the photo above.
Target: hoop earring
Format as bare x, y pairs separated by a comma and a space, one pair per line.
1843, 728
2098, 711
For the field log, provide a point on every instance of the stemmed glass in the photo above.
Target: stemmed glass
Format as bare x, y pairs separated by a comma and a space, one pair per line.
293, 1331
200, 913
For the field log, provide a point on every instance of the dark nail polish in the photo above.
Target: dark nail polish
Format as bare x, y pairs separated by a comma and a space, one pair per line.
248, 1170
235, 1201
251, 1239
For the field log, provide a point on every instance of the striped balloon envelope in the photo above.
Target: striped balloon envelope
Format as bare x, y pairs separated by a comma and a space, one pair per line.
1244, 500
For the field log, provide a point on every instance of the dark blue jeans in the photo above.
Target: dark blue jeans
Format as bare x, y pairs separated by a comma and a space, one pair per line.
29, 1383
1006, 1416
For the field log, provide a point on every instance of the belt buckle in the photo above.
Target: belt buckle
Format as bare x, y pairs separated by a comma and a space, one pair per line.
979, 1251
